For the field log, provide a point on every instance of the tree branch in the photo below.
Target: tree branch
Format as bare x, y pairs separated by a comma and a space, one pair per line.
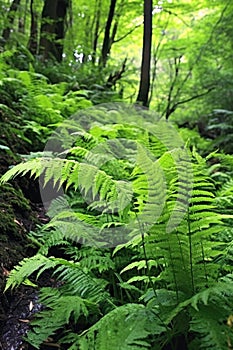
171, 110
176, 15
194, 97
128, 33
172, 104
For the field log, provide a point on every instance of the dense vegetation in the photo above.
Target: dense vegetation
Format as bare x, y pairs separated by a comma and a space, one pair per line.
139, 236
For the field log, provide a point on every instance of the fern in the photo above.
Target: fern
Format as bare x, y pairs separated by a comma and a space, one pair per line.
208, 325
27, 267
45, 239
125, 328
184, 263
60, 308
168, 220
82, 292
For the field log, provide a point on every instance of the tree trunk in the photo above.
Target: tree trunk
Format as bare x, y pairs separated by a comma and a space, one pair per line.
107, 39
33, 40
52, 31
47, 31
23, 19
96, 32
10, 20
144, 86
62, 7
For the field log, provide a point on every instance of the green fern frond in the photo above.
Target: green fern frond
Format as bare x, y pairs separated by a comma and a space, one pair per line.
83, 284
52, 238
34, 167
221, 292
59, 310
91, 258
125, 328
208, 326
185, 257
26, 267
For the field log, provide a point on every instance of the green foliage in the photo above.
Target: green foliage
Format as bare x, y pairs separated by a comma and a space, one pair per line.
12, 204
218, 126
126, 327
61, 308
168, 284
170, 268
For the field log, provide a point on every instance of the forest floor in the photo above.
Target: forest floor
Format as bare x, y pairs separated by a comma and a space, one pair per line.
20, 212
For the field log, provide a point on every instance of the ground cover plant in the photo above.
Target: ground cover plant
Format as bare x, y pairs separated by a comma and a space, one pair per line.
116, 175
136, 294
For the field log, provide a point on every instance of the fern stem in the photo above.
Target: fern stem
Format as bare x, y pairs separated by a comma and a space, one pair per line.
181, 251
204, 263
146, 258
169, 337
183, 266
173, 271
190, 253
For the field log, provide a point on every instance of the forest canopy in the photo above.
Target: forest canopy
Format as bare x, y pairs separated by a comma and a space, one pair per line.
190, 47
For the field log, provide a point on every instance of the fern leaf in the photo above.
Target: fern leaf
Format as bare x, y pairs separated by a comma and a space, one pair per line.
26, 267
33, 166
213, 334
59, 310
125, 328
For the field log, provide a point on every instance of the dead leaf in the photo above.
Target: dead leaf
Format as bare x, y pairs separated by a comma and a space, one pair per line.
31, 306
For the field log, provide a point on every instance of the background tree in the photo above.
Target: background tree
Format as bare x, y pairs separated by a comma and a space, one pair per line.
10, 20
33, 39
187, 41
144, 87
52, 31
107, 39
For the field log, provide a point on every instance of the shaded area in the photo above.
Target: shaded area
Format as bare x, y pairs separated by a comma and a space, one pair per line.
21, 307
18, 215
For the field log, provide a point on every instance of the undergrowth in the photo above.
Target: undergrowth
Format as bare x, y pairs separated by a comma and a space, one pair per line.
139, 220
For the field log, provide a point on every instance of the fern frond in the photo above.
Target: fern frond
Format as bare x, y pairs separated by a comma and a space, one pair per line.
210, 330
125, 328
80, 283
92, 259
26, 267
59, 310
34, 167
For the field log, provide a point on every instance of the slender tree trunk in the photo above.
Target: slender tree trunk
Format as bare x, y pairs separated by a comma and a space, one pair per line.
96, 32
144, 86
10, 20
52, 31
33, 40
87, 32
107, 39
23, 19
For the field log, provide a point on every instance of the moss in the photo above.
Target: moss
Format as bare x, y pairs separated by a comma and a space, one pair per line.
14, 208
11, 133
